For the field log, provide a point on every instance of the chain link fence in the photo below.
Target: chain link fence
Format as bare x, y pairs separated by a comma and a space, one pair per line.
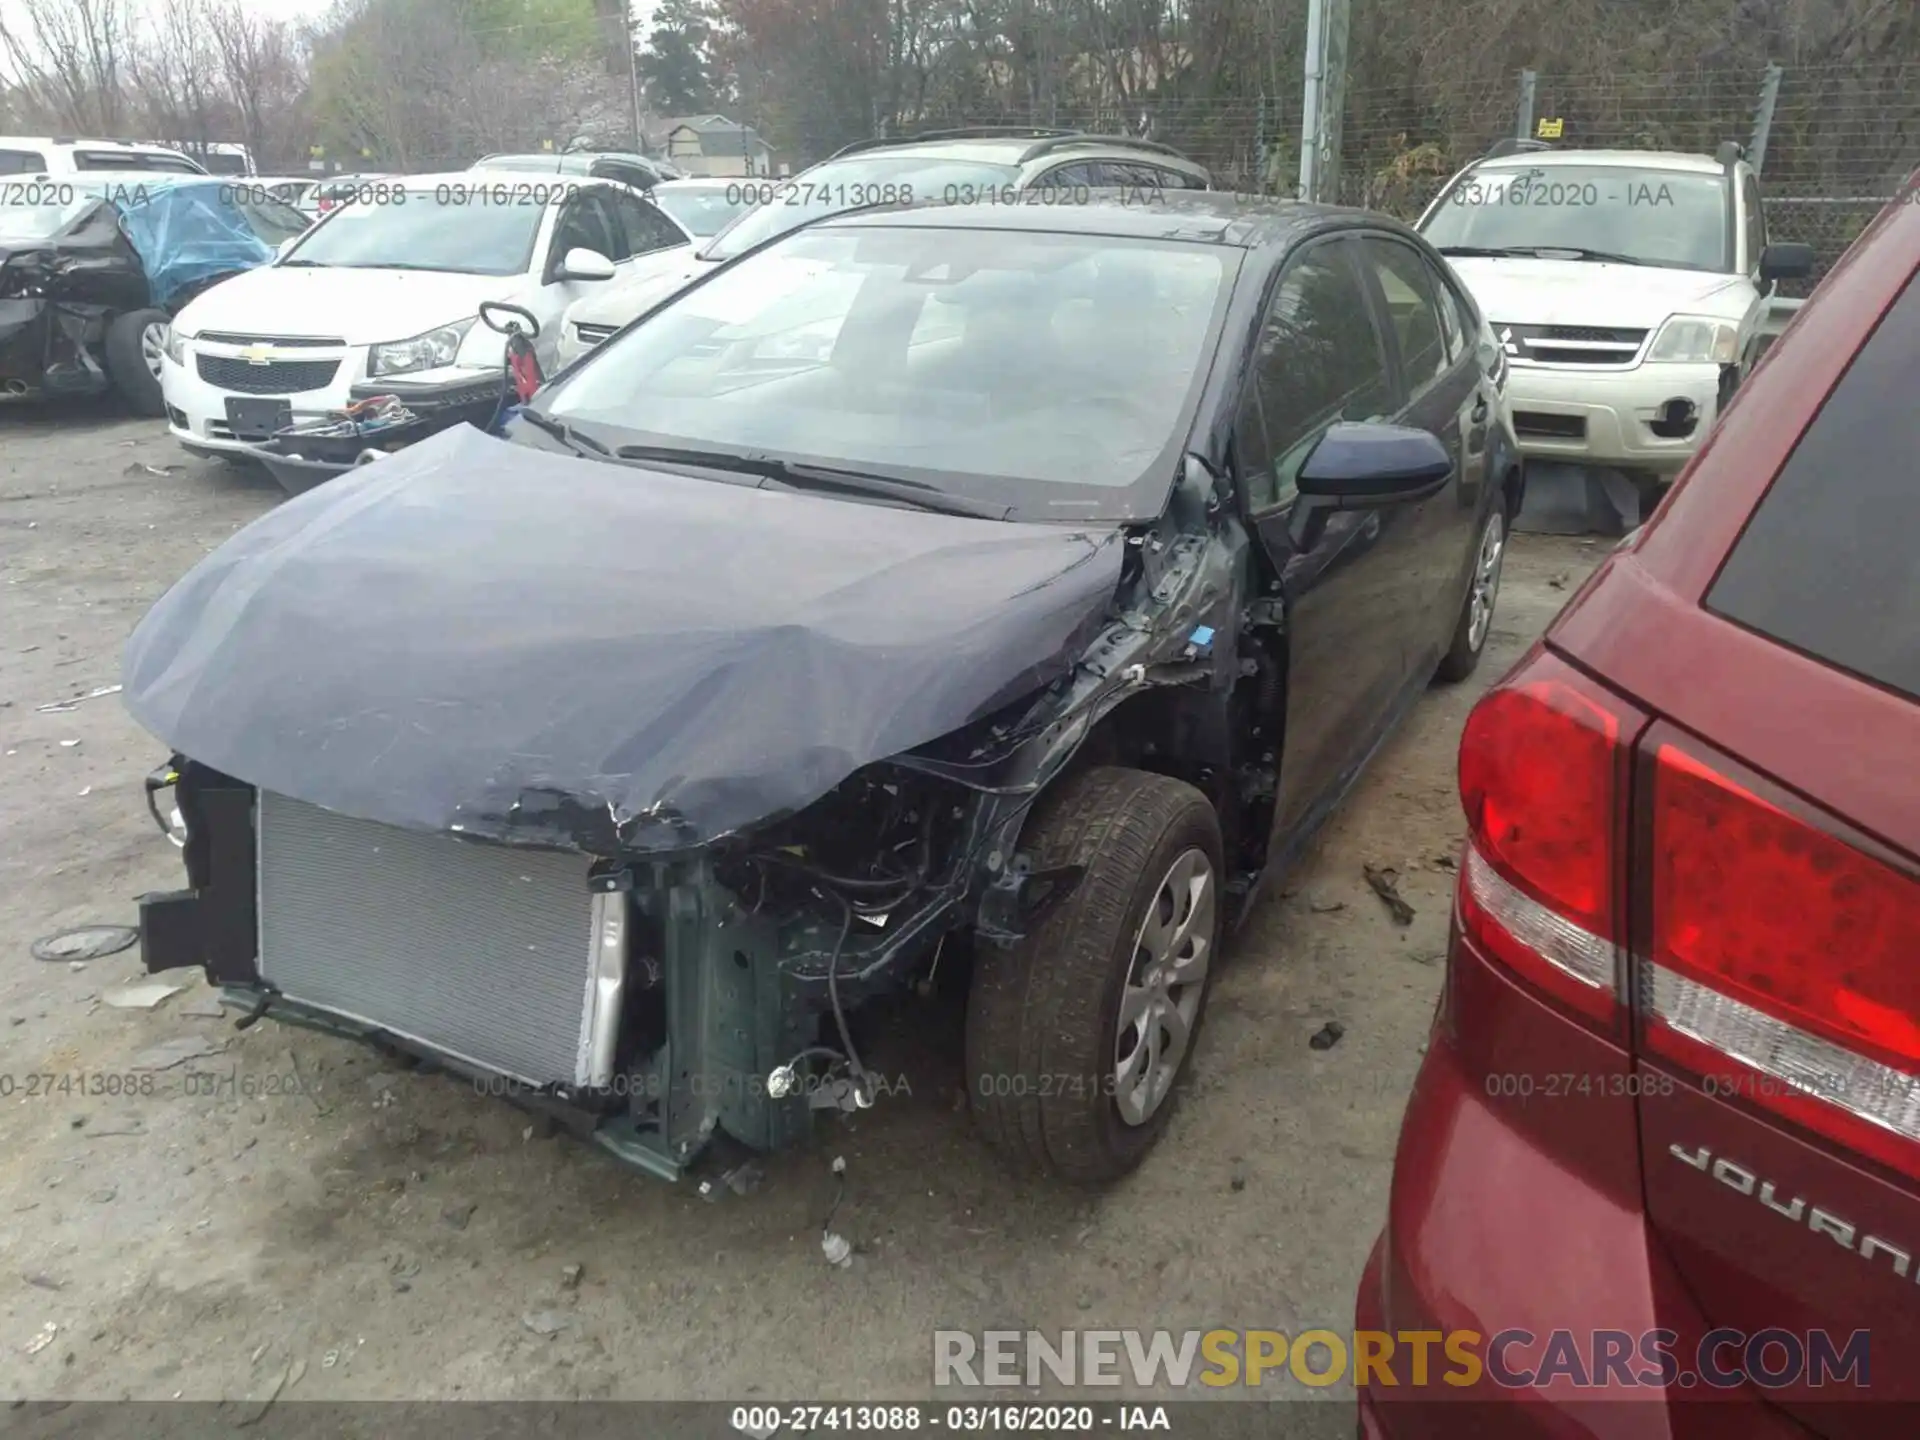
1842, 140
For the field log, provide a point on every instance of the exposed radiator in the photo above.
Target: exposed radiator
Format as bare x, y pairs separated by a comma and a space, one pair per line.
497, 955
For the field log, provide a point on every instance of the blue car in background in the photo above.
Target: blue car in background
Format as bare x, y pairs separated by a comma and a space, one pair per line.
93, 268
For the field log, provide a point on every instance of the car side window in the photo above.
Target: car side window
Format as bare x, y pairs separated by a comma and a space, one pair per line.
1756, 220
1134, 177
588, 223
1252, 454
1414, 305
22, 162
1318, 360
1453, 318
1078, 176
647, 230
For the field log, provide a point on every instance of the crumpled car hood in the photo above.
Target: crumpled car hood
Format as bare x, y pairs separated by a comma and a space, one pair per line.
485, 638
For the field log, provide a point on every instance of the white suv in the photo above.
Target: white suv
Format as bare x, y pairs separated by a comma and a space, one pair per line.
63, 155
1630, 289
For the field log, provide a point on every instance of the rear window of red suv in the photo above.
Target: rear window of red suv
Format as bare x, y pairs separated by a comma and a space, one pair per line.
1830, 562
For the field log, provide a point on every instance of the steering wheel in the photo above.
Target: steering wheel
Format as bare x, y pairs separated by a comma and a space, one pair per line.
491, 309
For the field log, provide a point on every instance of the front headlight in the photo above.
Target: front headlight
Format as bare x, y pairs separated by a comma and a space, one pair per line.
1699, 339
430, 351
176, 346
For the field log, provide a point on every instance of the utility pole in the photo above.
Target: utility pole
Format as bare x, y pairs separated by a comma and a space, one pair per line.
1310, 110
1763, 118
633, 76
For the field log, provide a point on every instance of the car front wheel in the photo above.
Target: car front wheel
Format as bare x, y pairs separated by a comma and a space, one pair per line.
1078, 1033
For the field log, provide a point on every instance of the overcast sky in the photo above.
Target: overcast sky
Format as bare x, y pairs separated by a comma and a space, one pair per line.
307, 9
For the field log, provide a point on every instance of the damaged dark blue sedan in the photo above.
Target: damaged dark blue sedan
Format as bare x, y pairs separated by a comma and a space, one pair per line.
1013, 585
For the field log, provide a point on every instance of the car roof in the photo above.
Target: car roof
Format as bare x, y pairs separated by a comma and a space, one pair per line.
455, 179
82, 142
1016, 149
1641, 159
707, 182
558, 160
1219, 217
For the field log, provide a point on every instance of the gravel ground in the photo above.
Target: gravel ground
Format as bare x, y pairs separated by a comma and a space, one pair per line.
327, 1225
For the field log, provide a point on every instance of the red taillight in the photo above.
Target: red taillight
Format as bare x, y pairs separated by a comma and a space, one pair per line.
1787, 951
1543, 779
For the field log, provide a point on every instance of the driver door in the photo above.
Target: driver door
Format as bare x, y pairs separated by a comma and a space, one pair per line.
1321, 358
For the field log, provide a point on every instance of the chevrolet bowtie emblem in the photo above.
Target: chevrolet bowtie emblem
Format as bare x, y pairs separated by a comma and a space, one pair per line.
257, 355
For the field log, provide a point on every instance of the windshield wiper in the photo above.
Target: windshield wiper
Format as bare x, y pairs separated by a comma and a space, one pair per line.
1482, 251
1581, 253
565, 434
1539, 252
799, 476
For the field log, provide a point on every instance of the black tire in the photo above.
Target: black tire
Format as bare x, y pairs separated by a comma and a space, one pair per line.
1043, 1017
1469, 640
136, 384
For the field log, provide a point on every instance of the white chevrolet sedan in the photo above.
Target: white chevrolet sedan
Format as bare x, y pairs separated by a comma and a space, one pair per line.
388, 286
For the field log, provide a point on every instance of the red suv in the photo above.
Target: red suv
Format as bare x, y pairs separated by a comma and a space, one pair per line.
1665, 1143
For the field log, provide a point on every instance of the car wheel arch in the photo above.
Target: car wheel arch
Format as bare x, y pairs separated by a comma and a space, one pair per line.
1206, 738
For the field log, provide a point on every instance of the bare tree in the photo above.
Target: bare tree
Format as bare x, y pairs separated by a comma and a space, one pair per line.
257, 65
68, 57
172, 75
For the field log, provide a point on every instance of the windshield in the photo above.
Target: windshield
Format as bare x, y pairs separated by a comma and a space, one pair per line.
847, 184
274, 221
382, 226
1671, 218
705, 210
1052, 373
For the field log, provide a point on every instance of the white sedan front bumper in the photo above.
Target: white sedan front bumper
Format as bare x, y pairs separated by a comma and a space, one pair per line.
312, 380
1613, 418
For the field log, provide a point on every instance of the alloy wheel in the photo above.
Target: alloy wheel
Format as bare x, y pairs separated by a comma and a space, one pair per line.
1165, 986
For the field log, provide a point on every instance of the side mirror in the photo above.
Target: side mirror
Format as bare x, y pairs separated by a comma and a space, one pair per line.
1786, 260
1363, 467
584, 264
1360, 465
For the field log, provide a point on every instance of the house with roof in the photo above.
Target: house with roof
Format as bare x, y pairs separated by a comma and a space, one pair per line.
713, 145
